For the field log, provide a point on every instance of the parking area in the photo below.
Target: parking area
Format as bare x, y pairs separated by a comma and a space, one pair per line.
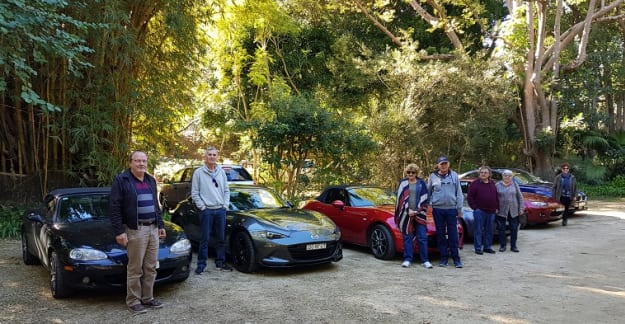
571, 274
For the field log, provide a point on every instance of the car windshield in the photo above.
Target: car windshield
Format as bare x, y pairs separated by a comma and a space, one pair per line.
73, 209
235, 174
254, 198
522, 177
370, 196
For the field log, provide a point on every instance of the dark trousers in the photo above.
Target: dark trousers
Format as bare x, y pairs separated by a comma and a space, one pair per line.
513, 223
566, 201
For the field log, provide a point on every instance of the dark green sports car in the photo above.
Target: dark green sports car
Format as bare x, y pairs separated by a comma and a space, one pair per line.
262, 229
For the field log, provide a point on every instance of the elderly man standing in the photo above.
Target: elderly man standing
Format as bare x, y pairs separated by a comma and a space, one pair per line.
446, 200
211, 195
138, 225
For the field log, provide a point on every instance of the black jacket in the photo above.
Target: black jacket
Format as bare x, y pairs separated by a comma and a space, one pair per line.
124, 202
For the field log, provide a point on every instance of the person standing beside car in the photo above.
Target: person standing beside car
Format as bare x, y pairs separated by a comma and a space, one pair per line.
482, 198
211, 195
138, 225
511, 205
565, 190
446, 199
410, 217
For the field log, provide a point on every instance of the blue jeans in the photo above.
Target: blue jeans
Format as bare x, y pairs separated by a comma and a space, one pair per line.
513, 223
446, 221
483, 229
422, 243
212, 219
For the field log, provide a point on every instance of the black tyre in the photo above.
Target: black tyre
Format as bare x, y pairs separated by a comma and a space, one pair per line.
29, 259
381, 242
243, 253
58, 287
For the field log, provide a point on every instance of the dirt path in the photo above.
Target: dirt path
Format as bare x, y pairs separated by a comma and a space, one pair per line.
572, 274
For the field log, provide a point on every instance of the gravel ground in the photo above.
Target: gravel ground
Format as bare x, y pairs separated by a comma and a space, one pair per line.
570, 274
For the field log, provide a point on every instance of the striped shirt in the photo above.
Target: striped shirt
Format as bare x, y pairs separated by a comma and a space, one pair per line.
145, 202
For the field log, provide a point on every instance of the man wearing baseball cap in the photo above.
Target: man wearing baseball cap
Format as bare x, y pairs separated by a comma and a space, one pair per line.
445, 197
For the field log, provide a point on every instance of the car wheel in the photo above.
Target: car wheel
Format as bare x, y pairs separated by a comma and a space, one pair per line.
523, 221
381, 242
242, 252
58, 286
29, 259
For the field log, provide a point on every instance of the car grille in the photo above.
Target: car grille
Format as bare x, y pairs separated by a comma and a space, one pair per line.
298, 252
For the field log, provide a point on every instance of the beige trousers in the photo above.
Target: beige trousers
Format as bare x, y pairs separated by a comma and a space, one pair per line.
142, 258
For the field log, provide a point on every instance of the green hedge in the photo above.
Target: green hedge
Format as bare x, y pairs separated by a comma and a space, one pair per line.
10, 221
615, 189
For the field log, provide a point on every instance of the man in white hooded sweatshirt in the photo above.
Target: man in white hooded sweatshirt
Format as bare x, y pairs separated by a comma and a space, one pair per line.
211, 195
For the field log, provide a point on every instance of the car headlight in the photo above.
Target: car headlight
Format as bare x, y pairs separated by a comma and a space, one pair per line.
181, 247
82, 254
538, 204
268, 235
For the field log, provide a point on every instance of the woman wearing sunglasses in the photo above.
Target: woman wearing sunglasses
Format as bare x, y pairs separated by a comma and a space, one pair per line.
410, 217
565, 190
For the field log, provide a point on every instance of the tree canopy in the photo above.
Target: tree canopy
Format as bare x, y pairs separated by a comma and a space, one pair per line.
360, 87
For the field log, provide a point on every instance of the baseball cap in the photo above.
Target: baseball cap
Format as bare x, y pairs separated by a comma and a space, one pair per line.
442, 159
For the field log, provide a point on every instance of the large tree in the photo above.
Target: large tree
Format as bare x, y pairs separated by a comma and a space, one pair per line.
85, 82
535, 35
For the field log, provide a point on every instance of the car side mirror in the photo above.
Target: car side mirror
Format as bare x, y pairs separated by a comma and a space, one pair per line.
338, 204
34, 217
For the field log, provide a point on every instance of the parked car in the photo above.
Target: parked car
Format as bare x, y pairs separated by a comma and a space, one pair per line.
539, 209
262, 229
365, 215
71, 235
530, 183
174, 190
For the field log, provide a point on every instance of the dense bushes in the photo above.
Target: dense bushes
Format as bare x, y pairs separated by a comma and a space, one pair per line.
616, 188
10, 221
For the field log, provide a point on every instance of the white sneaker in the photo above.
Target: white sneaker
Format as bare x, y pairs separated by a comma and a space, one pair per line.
406, 264
427, 264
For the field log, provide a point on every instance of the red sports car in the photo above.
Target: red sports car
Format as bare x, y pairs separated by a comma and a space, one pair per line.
365, 216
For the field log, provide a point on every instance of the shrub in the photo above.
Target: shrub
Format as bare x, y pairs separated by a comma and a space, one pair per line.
10, 221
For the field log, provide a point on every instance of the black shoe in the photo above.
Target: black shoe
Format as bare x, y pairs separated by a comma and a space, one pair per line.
137, 309
502, 249
154, 303
224, 267
514, 249
199, 270
479, 252
491, 251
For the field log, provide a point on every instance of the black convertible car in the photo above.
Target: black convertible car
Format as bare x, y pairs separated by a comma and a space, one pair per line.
262, 229
71, 235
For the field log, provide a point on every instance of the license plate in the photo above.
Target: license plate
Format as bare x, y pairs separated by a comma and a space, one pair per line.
318, 246
560, 209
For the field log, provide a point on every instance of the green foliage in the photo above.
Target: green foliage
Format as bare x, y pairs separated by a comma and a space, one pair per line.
10, 221
299, 129
34, 32
616, 188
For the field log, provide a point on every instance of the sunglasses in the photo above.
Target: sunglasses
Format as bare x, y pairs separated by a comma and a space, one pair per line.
565, 168
215, 182
410, 172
